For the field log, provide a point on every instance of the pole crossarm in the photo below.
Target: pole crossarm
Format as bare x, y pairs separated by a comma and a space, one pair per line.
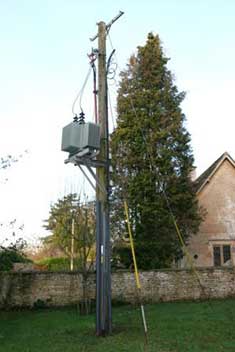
108, 26
85, 161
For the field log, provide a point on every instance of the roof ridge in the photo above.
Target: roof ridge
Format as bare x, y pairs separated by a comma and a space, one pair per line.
202, 179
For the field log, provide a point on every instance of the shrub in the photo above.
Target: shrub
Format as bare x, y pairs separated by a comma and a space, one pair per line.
59, 263
9, 256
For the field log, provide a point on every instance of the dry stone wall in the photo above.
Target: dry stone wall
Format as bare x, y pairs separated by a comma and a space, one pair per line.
28, 289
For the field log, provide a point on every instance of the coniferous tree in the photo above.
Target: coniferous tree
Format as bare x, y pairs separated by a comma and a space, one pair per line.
152, 159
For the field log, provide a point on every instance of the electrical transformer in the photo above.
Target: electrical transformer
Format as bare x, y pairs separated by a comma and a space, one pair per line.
81, 138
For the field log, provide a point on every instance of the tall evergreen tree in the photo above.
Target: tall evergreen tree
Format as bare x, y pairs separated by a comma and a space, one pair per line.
152, 158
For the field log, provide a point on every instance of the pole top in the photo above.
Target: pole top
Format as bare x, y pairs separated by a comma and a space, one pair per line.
108, 26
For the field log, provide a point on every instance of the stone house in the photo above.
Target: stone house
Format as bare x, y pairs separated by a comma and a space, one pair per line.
214, 245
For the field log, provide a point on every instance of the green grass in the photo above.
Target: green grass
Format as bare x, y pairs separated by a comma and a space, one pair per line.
178, 327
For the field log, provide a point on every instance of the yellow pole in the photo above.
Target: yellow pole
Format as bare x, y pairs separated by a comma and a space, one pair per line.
132, 246
135, 267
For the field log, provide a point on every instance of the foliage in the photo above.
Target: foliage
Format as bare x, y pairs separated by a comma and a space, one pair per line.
121, 257
152, 159
59, 263
39, 304
62, 215
175, 327
12, 254
66, 214
7, 161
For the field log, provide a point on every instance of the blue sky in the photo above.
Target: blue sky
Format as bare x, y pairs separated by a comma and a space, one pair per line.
43, 63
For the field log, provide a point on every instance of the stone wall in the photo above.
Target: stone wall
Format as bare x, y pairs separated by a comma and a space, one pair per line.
60, 288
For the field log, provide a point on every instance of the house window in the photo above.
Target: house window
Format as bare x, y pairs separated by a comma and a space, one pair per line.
222, 254
217, 256
226, 253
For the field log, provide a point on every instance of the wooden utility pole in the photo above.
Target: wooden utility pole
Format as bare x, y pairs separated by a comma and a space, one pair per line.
103, 278
103, 263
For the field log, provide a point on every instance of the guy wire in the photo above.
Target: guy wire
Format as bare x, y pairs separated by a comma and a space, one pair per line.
126, 212
160, 179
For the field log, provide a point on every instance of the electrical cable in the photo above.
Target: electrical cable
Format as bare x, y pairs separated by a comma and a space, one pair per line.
93, 57
111, 67
109, 63
80, 93
111, 109
112, 78
95, 93
115, 64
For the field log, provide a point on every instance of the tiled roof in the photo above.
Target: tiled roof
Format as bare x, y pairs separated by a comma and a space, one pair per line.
200, 182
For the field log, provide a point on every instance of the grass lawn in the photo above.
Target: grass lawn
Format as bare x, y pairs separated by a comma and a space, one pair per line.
174, 327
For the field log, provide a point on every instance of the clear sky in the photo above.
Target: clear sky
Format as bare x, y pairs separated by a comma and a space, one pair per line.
43, 63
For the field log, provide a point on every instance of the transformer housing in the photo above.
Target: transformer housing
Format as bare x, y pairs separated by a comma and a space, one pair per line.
77, 137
